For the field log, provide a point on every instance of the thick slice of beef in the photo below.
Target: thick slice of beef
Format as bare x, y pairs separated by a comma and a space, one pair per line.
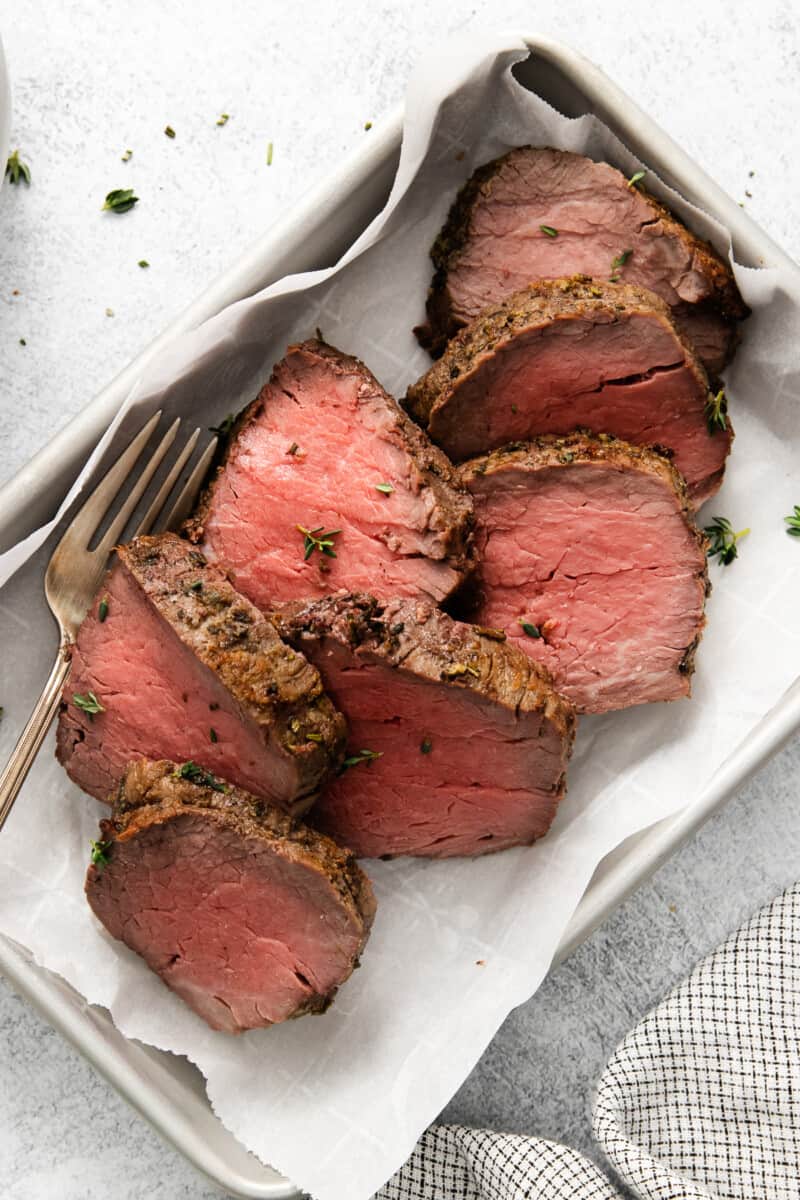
249, 916
592, 564
538, 213
458, 743
184, 667
324, 449
570, 354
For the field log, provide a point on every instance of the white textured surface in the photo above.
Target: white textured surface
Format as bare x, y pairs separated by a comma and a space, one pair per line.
307, 77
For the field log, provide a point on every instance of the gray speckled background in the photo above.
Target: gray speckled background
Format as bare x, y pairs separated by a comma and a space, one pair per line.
91, 80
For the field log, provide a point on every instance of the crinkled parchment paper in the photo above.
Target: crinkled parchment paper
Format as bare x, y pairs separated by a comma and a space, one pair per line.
336, 1102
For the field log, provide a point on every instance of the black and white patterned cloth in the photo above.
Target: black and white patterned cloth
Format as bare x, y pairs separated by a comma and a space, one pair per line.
701, 1101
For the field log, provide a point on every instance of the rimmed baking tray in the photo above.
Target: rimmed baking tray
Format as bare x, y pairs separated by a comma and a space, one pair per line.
167, 1090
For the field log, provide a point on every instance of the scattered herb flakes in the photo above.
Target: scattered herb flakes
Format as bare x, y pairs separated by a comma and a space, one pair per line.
212, 735
531, 631
549, 231
368, 124
197, 586
363, 756
102, 609
88, 703
127, 156
566, 456
120, 200
723, 541
100, 853
16, 169
169, 131
109, 312
618, 263
197, 774
716, 411
293, 448
314, 737
748, 194
386, 488
143, 262
792, 521
425, 746
637, 177
269, 154
22, 342
224, 427
223, 118
317, 539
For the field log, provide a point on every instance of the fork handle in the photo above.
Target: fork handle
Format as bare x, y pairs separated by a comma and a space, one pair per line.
26, 749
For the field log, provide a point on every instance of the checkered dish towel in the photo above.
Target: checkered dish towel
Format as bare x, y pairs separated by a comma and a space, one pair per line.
701, 1101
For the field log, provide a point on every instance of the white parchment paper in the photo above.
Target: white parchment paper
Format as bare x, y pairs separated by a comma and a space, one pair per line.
336, 1102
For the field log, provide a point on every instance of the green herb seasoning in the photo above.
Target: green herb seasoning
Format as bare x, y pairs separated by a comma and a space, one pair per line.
425, 746
269, 154
17, 170
317, 539
88, 703
22, 342
716, 411
197, 774
102, 609
792, 521
618, 263
386, 488
723, 541
143, 262
100, 853
293, 448
212, 735
121, 200
127, 156
549, 231
197, 586
368, 124
531, 631
169, 131
223, 118
637, 177
363, 756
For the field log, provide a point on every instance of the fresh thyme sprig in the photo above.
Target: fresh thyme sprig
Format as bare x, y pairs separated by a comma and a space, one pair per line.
88, 703
317, 539
793, 522
197, 774
16, 169
723, 541
618, 263
716, 411
100, 853
363, 756
120, 200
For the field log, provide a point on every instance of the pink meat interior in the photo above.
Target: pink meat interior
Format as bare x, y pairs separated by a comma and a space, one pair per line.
160, 701
458, 774
627, 377
244, 935
602, 563
344, 447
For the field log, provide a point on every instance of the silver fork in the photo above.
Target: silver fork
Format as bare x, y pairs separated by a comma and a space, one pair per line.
74, 572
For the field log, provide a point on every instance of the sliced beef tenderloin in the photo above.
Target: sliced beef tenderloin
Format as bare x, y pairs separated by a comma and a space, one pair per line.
249, 916
570, 354
458, 743
172, 662
592, 564
538, 213
325, 453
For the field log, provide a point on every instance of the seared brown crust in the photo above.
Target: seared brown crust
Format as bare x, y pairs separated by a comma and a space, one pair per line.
276, 687
582, 447
541, 303
153, 793
442, 324
419, 639
451, 513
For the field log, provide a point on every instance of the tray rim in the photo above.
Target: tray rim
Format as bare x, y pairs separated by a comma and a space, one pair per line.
140, 1074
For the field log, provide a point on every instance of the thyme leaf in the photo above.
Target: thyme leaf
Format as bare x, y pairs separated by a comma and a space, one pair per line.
618, 263
88, 703
120, 200
212, 735
531, 631
224, 427
16, 169
169, 131
425, 746
317, 539
792, 521
723, 541
100, 853
269, 154
386, 488
716, 411
102, 609
223, 118
549, 231
197, 774
127, 156
143, 262
637, 177
363, 756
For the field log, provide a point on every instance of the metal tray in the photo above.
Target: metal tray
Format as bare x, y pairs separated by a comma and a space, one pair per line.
168, 1091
